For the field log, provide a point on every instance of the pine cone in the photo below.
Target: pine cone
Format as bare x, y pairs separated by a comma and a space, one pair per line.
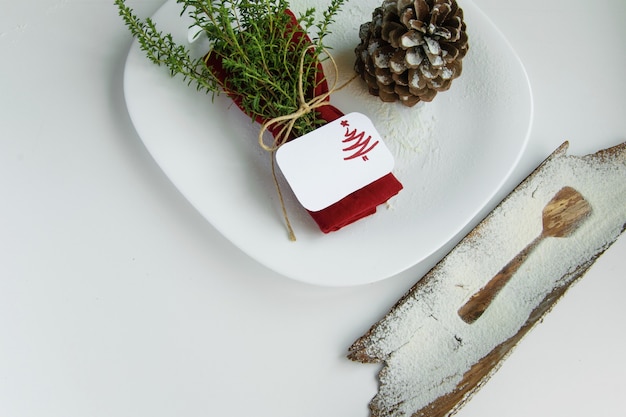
412, 49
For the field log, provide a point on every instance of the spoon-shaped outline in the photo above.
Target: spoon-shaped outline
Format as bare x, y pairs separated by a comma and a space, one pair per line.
561, 217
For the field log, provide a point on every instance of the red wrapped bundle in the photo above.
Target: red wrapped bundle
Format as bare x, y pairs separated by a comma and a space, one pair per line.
355, 206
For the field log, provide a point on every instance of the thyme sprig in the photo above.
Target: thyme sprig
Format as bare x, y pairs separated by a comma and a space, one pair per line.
254, 41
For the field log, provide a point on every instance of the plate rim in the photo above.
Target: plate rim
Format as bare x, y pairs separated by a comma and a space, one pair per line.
390, 271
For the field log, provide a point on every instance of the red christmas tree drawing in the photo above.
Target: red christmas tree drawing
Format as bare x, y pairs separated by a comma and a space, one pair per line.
359, 145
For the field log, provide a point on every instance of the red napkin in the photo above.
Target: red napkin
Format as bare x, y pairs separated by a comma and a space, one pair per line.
355, 206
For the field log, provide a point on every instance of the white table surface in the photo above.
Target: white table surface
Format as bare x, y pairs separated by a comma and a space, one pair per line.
118, 299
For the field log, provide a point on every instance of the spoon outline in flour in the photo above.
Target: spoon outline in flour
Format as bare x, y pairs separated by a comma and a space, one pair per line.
561, 217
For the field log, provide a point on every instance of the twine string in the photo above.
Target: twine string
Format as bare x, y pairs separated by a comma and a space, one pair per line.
288, 121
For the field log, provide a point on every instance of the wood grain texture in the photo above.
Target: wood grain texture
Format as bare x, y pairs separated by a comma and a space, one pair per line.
387, 339
560, 218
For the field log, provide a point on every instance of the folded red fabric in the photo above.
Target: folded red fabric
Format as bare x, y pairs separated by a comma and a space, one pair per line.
355, 206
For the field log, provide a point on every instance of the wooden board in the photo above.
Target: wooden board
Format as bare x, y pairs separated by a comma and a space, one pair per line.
434, 361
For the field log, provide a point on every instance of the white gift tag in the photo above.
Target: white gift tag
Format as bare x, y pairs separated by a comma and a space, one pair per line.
343, 156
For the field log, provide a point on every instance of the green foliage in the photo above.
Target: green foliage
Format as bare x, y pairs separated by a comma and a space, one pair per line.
252, 38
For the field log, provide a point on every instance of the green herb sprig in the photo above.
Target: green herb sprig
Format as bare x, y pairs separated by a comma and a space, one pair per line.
253, 40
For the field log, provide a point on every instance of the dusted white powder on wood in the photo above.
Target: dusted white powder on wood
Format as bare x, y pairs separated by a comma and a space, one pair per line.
425, 344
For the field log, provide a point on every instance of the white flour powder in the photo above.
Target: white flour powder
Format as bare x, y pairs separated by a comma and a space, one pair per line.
426, 345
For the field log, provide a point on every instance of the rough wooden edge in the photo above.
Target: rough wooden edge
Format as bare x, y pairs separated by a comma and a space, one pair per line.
358, 350
479, 374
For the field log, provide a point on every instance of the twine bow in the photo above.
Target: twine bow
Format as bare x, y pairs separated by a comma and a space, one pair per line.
289, 120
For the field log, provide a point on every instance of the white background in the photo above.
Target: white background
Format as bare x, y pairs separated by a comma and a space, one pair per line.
117, 299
